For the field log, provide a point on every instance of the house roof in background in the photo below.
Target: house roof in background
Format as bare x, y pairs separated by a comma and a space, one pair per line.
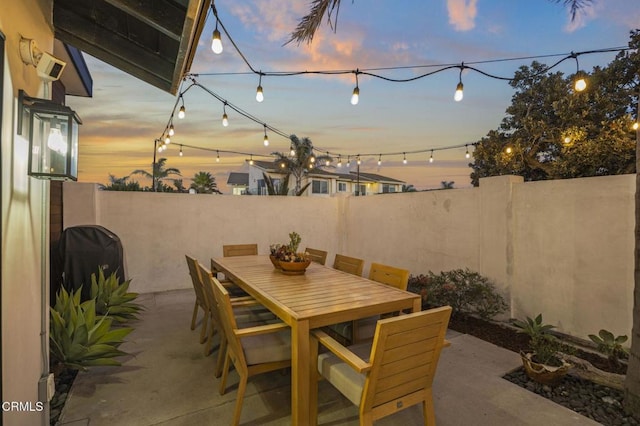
379, 178
237, 178
153, 40
271, 167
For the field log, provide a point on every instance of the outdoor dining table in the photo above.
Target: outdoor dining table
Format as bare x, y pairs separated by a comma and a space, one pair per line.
320, 297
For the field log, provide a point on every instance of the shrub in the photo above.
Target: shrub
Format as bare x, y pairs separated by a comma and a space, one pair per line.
112, 297
467, 292
79, 338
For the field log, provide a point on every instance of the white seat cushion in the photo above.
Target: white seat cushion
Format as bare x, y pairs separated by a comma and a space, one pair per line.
268, 347
349, 382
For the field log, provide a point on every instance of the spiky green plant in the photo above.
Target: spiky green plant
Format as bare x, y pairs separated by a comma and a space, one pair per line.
610, 345
79, 338
112, 297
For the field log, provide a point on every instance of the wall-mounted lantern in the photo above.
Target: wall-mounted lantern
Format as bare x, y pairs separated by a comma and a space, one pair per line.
52, 130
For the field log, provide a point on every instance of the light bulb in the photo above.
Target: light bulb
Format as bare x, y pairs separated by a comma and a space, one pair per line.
216, 43
404, 160
508, 150
181, 113
466, 154
359, 162
167, 140
293, 152
180, 152
379, 161
567, 139
312, 159
635, 126
327, 162
458, 95
266, 140
580, 85
225, 120
55, 142
171, 130
339, 162
431, 158
355, 97
259, 94
282, 165
218, 159
251, 161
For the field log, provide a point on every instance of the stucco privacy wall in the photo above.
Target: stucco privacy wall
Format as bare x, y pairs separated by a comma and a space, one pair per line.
573, 249
24, 222
502, 229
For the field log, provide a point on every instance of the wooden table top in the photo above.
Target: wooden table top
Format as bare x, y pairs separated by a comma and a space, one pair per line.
321, 296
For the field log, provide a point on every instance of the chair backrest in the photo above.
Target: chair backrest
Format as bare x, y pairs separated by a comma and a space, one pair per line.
225, 316
351, 265
231, 250
404, 357
390, 275
207, 289
318, 256
196, 280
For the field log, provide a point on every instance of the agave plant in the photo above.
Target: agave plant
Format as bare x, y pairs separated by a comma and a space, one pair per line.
79, 338
112, 297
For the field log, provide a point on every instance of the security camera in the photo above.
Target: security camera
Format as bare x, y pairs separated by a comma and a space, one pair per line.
48, 67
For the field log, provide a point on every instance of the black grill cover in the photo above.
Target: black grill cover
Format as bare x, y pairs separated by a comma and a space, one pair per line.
85, 248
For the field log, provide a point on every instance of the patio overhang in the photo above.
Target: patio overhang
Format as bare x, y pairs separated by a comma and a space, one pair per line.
154, 40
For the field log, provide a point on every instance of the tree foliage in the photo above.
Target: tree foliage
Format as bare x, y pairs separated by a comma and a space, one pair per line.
551, 131
121, 184
204, 183
160, 172
302, 160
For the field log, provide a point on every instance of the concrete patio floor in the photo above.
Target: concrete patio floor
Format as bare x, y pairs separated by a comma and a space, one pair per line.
167, 380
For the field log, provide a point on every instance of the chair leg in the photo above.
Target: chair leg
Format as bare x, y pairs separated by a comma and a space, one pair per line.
225, 371
313, 391
212, 331
242, 386
222, 353
205, 323
194, 317
366, 419
427, 406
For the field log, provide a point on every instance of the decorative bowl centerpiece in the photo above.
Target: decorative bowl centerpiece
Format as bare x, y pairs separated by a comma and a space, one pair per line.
286, 258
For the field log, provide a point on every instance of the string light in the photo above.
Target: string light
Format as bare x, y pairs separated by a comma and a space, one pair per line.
251, 160
580, 83
635, 126
327, 162
171, 130
431, 157
259, 94
225, 118
348, 161
216, 42
266, 138
217, 156
182, 111
466, 154
292, 153
404, 160
339, 161
508, 150
358, 159
355, 96
380, 159
459, 95
180, 151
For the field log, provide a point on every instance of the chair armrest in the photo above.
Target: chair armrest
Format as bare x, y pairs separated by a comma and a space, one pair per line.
241, 301
341, 351
261, 329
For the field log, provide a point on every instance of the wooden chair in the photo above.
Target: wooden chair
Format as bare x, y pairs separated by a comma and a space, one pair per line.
231, 250
318, 256
252, 350
248, 312
390, 275
201, 302
399, 373
351, 265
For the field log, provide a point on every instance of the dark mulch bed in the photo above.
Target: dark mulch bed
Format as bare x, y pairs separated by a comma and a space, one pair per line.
63, 380
597, 402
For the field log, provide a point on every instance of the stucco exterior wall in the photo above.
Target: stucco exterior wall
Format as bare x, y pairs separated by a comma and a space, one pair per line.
560, 248
25, 231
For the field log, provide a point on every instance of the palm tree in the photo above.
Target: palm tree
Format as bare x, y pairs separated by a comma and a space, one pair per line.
179, 185
309, 23
121, 184
409, 188
302, 160
446, 184
159, 172
204, 183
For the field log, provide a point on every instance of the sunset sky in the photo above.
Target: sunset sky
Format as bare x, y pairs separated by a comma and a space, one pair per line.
125, 115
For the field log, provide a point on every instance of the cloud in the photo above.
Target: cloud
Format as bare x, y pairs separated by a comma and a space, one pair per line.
588, 13
462, 14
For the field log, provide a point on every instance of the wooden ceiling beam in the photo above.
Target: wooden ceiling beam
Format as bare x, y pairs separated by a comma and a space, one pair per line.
168, 19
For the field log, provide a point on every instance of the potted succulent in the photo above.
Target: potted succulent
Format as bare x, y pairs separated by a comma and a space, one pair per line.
544, 363
287, 258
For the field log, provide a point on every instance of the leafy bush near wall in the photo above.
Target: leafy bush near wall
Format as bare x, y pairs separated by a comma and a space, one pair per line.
467, 292
113, 297
80, 338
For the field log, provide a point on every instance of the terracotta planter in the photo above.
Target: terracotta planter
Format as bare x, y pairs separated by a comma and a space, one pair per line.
275, 261
542, 373
294, 268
